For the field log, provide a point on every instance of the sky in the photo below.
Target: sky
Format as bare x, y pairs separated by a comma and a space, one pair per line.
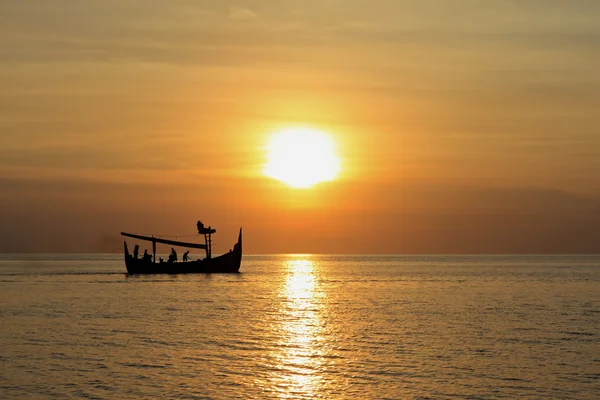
462, 126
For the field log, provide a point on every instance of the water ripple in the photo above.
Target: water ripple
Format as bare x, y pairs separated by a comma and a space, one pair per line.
304, 327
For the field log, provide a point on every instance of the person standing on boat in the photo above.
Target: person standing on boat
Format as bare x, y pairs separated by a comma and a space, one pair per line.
185, 256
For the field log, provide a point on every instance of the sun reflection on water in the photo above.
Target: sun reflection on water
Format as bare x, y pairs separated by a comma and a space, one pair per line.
299, 354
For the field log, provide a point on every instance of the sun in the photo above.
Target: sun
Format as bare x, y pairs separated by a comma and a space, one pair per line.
302, 157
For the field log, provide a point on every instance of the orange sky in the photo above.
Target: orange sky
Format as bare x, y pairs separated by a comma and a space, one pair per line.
463, 127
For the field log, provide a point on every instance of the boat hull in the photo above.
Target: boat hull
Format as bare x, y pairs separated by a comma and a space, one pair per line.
229, 262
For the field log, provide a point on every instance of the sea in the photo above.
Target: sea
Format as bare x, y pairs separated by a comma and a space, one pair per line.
302, 327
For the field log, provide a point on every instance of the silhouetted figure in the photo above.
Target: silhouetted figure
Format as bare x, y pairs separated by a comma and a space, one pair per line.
185, 256
173, 256
147, 257
200, 226
136, 250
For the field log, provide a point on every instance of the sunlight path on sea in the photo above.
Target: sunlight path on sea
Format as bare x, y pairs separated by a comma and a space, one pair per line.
300, 331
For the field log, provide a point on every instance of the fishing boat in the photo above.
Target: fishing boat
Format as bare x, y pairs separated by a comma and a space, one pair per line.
147, 264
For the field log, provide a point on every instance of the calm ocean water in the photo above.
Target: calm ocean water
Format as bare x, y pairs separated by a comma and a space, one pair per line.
305, 327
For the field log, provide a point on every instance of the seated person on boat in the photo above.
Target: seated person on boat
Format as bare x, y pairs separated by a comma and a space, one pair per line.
172, 256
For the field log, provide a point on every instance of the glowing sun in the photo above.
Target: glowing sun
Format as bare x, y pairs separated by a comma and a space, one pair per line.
301, 157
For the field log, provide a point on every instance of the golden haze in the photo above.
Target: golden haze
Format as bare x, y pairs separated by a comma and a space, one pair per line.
460, 128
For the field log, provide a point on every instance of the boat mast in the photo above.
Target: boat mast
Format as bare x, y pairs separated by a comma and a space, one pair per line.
207, 232
208, 241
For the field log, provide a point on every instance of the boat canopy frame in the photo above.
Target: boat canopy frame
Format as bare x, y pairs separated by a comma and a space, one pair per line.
154, 240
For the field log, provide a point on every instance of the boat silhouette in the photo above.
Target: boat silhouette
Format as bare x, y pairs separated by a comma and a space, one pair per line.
147, 264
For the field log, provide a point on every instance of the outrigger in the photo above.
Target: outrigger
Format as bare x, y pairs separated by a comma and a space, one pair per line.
228, 262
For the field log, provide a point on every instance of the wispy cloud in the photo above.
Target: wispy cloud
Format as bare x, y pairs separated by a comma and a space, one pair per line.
462, 92
241, 14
